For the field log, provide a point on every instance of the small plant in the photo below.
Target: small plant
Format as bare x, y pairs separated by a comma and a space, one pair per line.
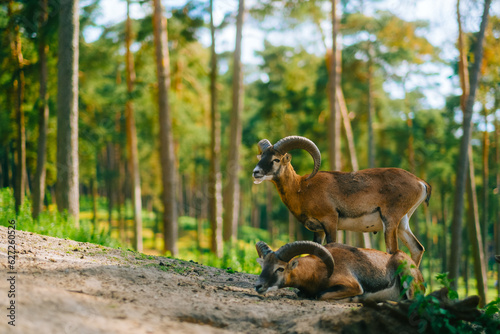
406, 279
446, 282
447, 314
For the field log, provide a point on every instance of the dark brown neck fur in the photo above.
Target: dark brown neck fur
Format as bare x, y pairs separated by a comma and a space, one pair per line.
288, 185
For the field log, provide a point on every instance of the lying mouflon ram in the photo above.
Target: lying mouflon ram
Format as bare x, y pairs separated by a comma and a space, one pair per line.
370, 200
338, 272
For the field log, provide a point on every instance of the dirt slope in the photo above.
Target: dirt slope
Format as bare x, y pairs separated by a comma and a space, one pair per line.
65, 286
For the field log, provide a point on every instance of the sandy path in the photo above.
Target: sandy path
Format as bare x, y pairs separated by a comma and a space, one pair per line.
65, 286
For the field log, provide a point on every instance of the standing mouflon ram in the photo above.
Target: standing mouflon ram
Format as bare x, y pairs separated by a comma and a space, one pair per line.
339, 272
368, 200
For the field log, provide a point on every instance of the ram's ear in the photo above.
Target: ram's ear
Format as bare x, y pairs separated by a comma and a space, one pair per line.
293, 264
259, 156
260, 261
286, 159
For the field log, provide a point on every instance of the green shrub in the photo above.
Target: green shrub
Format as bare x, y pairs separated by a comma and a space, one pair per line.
433, 318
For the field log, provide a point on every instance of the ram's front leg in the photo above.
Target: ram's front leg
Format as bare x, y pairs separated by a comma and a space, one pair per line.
317, 227
346, 289
319, 237
330, 226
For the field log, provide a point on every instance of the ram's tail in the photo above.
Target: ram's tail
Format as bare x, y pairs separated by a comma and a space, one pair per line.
428, 189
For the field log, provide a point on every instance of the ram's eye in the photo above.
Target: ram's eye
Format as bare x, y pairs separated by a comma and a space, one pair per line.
276, 160
280, 270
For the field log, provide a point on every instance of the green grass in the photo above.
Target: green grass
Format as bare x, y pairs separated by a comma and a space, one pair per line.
51, 223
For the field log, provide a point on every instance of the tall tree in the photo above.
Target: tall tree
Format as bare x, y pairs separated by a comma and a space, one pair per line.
333, 86
460, 183
497, 199
133, 156
486, 175
232, 191
43, 112
67, 109
475, 237
18, 91
371, 109
215, 179
167, 154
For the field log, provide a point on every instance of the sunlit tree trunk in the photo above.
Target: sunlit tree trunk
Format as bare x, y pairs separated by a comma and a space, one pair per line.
93, 189
232, 191
67, 109
497, 199
119, 180
462, 164
444, 224
215, 179
133, 158
486, 173
348, 130
292, 223
475, 236
255, 208
167, 155
18, 97
411, 137
109, 180
371, 111
334, 73
43, 116
269, 213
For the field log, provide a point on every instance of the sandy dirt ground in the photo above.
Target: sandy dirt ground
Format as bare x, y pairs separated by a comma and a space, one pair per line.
63, 286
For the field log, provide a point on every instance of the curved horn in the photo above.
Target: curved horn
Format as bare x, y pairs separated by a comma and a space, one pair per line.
264, 144
296, 142
291, 250
263, 249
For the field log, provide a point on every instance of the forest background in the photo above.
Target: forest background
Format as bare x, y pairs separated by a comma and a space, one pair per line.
144, 137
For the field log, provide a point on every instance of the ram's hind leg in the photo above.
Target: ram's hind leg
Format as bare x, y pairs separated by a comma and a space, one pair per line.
409, 239
390, 235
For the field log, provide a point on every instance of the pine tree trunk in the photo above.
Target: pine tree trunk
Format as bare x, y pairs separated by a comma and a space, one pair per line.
109, 180
497, 199
232, 191
67, 110
444, 224
133, 155
215, 180
93, 189
17, 55
269, 212
292, 223
334, 72
475, 236
348, 130
43, 117
485, 172
167, 154
119, 180
371, 112
458, 202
